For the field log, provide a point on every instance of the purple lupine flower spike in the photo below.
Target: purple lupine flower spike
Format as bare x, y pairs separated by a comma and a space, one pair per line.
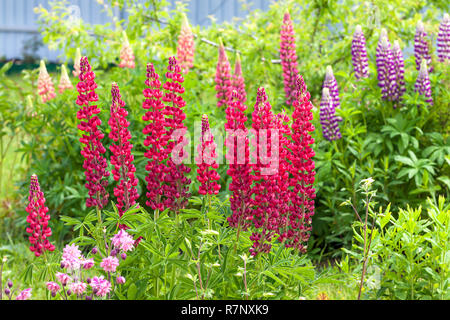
443, 39
422, 47
423, 85
331, 83
399, 64
359, 54
328, 119
386, 68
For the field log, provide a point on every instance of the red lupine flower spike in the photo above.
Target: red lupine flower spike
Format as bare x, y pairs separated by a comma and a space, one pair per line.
38, 219
94, 164
238, 80
224, 86
288, 57
121, 158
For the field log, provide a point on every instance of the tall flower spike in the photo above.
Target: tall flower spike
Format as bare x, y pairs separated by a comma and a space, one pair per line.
239, 169
288, 57
64, 81
331, 83
45, 84
126, 54
224, 87
302, 171
387, 77
422, 47
95, 164
423, 85
155, 139
328, 119
121, 157
38, 219
186, 46
443, 39
238, 80
176, 187
399, 66
359, 54
206, 161
76, 64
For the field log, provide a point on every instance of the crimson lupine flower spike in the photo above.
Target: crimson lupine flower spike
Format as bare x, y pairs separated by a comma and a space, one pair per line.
206, 161
94, 164
288, 57
224, 87
302, 171
38, 219
399, 66
265, 205
45, 85
186, 46
121, 157
176, 189
155, 139
331, 83
328, 119
238, 80
239, 169
359, 54
422, 47
443, 39
423, 85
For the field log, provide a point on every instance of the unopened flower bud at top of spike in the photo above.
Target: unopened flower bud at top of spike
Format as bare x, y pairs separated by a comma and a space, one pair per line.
223, 80
423, 85
126, 53
422, 46
359, 54
64, 82
331, 83
76, 64
238, 80
45, 86
186, 46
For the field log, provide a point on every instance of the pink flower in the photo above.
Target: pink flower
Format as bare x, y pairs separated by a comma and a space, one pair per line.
109, 264
206, 161
71, 257
126, 54
88, 263
121, 157
78, 287
45, 84
100, 286
186, 46
288, 57
123, 241
38, 219
120, 280
76, 64
224, 86
24, 295
64, 81
53, 287
63, 278
95, 164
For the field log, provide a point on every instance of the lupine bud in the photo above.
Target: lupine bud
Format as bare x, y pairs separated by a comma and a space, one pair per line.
288, 57
64, 81
120, 280
95, 164
238, 80
423, 85
186, 46
359, 54
443, 39
126, 54
45, 84
206, 161
224, 86
328, 119
123, 256
10, 284
76, 64
331, 83
38, 219
69, 292
7, 291
422, 47
94, 250
88, 298
121, 158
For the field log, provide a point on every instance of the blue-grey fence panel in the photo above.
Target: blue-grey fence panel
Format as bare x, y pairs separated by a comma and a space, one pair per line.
18, 22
